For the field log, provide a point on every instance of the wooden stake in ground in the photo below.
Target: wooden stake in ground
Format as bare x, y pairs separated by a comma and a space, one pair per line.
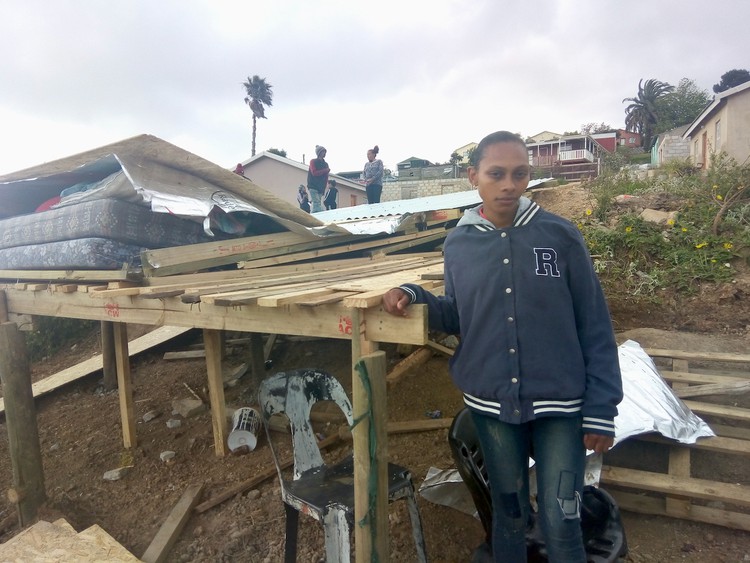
20, 418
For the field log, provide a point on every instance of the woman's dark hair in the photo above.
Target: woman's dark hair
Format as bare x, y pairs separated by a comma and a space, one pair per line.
491, 139
375, 150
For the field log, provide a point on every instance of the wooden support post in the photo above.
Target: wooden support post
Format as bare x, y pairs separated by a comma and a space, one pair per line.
212, 342
370, 414
679, 460
109, 363
124, 385
257, 358
3, 307
20, 418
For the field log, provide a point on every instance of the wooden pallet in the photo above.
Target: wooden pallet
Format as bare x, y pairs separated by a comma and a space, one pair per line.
677, 493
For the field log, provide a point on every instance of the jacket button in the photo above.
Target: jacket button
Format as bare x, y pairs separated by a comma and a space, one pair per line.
508, 290
514, 380
512, 351
517, 412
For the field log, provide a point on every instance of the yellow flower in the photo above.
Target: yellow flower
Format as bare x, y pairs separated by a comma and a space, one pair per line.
716, 186
701, 245
713, 261
684, 229
589, 212
728, 245
628, 229
718, 196
670, 222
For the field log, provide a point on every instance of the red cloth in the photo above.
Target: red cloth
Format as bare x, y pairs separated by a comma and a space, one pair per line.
47, 204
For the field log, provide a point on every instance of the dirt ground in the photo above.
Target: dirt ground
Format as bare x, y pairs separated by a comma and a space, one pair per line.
81, 439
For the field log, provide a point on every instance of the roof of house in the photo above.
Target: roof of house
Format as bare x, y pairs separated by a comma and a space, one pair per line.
301, 166
719, 100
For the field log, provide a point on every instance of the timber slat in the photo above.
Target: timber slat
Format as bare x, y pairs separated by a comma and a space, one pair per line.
682, 486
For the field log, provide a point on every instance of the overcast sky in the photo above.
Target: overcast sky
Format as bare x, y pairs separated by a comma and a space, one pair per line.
418, 78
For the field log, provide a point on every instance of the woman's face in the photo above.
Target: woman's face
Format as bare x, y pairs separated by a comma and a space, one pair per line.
371, 155
501, 177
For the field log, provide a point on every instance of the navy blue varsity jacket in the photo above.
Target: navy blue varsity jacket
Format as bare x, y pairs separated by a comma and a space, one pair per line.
536, 335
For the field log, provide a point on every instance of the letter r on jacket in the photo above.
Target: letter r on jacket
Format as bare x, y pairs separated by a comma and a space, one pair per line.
546, 262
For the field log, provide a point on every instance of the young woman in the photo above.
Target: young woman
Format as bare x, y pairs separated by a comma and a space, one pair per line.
373, 175
537, 363
303, 199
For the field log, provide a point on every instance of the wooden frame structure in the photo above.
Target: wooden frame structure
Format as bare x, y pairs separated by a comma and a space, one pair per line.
677, 493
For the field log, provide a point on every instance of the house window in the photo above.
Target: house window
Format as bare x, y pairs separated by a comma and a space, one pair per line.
631, 140
717, 144
352, 200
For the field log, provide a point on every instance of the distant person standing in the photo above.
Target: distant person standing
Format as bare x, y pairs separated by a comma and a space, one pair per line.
331, 195
317, 178
373, 175
303, 199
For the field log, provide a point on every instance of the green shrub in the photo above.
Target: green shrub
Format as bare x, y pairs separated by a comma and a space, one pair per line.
709, 239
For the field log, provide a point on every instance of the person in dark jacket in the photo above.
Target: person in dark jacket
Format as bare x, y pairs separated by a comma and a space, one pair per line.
331, 195
317, 178
537, 361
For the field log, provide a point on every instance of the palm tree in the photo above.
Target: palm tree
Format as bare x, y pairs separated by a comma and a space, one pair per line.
641, 115
259, 94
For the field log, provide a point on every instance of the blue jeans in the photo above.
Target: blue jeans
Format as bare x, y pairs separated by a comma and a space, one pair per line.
560, 458
316, 205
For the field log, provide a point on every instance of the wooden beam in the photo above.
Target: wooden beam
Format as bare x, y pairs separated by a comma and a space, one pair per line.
212, 342
731, 388
417, 358
165, 538
323, 321
109, 361
124, 385
698, 356
642, 504
370, 459
28, 492
737, 495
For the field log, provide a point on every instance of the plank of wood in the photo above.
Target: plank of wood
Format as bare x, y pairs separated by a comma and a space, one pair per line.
158, 549
87, 367
334, 297
699, 378
731, 388
427, 237
319, 253
184, 355
194, 257
642, 504
415, 359
719, 444
734, 413
698, 356
78, 275
731, 493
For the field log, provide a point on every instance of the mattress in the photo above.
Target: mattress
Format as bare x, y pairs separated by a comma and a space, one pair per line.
113, 219
76, 254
